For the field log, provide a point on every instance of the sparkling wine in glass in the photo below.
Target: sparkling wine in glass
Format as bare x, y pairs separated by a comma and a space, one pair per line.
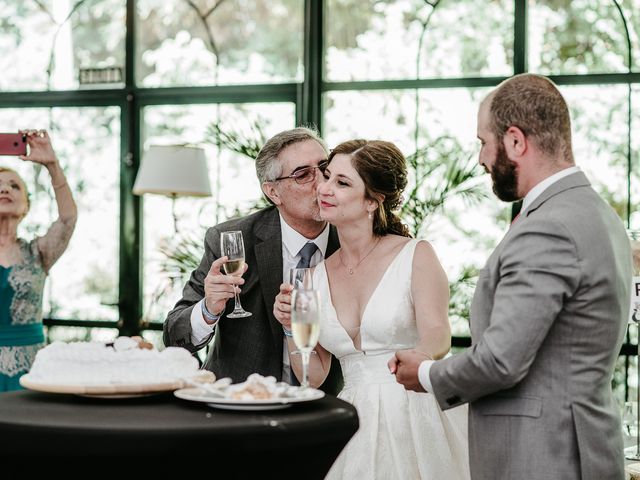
305, 325
233, 247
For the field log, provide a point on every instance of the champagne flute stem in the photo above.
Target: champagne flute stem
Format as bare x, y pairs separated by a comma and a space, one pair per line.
305, 368
238, 305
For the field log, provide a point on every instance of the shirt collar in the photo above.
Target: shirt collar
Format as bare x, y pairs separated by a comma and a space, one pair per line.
294, 241
544, 184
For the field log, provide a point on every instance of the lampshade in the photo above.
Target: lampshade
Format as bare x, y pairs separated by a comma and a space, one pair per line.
173, 170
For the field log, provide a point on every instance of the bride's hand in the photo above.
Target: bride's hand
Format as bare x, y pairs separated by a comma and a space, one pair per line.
282, 305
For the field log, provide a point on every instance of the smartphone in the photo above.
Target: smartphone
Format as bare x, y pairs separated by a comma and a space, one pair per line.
13, 144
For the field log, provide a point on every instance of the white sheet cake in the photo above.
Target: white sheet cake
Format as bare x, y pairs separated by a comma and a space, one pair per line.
94, 363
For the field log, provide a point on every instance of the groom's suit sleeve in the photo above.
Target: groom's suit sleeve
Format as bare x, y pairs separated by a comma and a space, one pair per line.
177, 326
520, 293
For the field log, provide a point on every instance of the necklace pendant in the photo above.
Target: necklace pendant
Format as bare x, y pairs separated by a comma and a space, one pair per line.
350, 270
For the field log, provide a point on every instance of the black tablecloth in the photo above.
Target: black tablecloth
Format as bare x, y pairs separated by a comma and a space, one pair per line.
307, 437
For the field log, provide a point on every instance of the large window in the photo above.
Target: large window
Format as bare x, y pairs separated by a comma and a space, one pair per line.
46, 43
219, 42
412, 39
109, 78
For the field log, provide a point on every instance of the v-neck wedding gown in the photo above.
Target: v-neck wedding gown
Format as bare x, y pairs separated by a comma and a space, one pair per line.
402, 434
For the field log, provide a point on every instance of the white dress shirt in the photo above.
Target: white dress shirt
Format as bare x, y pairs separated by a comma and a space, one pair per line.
292, 242
535, 192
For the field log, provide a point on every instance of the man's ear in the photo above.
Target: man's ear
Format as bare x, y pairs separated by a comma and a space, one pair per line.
515, 142
269, 189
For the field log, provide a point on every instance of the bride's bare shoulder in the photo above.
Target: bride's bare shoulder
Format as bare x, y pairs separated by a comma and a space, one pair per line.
395, 243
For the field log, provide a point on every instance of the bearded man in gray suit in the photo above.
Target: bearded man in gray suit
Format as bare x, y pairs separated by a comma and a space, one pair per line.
550, 308
288, 168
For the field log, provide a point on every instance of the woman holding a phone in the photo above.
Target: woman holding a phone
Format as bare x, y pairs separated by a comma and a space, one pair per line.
24, 264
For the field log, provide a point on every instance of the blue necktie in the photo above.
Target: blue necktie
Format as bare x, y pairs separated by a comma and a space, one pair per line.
306, 253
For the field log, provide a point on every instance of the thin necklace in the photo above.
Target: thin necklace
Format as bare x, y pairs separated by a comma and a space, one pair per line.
351, 270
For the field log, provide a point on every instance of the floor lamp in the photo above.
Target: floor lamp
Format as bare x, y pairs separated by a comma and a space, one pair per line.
174, 171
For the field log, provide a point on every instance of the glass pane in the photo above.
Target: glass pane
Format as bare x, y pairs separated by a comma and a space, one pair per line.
582, 37
83, 284
81, 334
46, 43
464, 229
618, 385
207, 42
600, 126
635, 159
411, 39
233, 180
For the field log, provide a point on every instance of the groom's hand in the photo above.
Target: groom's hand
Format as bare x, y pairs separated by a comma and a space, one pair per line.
405, 365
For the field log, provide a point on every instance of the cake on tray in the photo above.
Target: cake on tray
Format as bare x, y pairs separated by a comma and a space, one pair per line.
123, 362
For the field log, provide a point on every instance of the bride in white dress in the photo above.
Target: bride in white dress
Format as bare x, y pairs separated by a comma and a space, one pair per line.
382, 292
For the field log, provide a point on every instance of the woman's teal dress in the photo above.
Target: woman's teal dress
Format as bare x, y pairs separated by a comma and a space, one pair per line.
21, 331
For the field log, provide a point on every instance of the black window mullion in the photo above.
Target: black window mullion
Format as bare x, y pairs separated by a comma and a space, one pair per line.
520, 53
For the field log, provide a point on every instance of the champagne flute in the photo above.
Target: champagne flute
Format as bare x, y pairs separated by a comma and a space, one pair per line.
305, 325
233, 247
301, 278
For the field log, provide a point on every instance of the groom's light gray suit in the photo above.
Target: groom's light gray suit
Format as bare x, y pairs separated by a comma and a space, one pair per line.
547, 321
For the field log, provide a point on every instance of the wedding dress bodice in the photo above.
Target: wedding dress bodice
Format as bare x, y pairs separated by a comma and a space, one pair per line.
387, 323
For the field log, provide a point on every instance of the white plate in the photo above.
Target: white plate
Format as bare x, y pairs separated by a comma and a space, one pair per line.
112, 390
204, 396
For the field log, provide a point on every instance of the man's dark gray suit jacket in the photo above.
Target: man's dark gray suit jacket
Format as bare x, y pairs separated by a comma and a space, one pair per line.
243, 346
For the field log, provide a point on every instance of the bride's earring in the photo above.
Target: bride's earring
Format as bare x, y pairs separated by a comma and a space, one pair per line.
370, 215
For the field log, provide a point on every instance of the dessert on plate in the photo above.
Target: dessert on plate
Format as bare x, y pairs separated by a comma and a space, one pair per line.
257, 387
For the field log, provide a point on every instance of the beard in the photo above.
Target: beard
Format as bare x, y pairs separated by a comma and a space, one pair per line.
504, 176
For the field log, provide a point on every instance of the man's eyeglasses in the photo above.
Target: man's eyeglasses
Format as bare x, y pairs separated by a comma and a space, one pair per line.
304, 175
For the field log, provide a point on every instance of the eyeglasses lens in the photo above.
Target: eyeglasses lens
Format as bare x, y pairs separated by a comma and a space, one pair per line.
305, 175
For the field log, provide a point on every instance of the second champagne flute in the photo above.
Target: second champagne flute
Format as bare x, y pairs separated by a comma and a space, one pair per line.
301, 278
305, 325
233, 248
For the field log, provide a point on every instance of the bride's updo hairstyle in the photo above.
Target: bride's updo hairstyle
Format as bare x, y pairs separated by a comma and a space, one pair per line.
383, 168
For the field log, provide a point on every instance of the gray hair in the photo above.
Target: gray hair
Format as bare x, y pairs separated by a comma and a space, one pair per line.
268, 168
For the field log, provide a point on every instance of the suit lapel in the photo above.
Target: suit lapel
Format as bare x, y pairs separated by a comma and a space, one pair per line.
577, 179
268, 252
